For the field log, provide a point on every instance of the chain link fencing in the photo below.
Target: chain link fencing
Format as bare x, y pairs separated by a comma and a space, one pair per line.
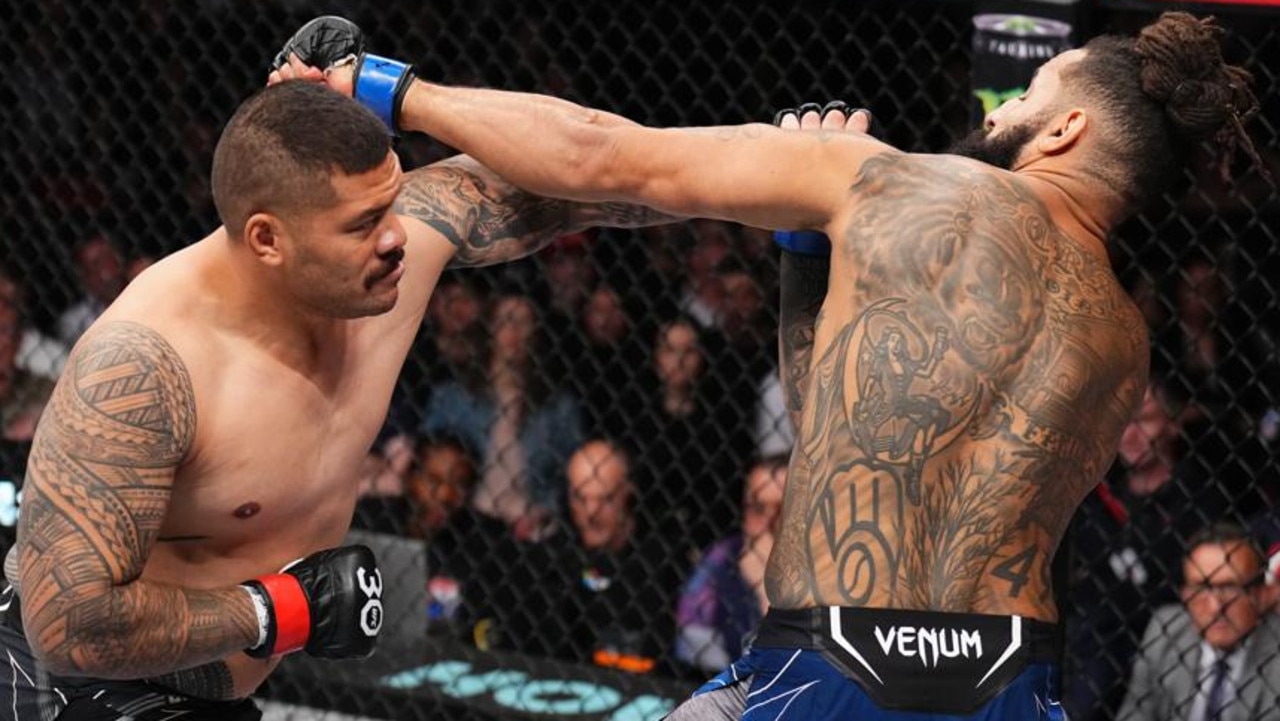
652, 348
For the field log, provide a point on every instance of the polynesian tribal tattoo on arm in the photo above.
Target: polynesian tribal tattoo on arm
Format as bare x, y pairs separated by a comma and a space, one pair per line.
100, 475
491, 221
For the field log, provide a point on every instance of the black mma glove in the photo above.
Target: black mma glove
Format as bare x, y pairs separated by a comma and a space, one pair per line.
329, 603
380, 83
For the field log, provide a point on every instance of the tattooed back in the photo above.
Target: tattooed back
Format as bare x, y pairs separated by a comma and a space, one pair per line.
972, 369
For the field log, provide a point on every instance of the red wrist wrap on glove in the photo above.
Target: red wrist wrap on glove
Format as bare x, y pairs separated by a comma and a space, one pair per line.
292, 612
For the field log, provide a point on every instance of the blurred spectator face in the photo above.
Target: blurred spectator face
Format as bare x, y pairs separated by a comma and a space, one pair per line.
1150, 437
600, 496
603, 318
677, 355
741, 303
711, 244
513, 325
100, 269
440, 485
454, 307
569, 274
762, 505
1199, 294
1220, 590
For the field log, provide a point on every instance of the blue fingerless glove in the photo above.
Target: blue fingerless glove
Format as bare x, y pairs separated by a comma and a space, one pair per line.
380, 85
803, 242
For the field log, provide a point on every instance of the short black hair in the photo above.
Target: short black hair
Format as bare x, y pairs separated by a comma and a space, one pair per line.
1226, 533
278, 151
1162, 92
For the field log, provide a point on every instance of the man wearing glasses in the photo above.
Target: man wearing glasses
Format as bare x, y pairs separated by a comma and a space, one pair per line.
1215, 657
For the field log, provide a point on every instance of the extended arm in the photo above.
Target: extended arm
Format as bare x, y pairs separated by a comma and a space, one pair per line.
749, 174
555, 148
100, 475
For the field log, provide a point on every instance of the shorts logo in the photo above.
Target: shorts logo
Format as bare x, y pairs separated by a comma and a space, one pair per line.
371, 614
929, 644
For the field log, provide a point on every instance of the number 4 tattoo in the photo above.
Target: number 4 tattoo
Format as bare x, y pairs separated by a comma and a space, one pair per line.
1016, 570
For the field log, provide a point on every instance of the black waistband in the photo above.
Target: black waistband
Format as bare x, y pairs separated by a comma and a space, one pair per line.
925, 661
810, 628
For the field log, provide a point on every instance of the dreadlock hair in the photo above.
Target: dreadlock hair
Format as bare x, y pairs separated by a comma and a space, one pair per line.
1162, 92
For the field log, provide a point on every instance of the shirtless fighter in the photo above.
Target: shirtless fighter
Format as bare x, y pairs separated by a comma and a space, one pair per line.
208, 428
961, 385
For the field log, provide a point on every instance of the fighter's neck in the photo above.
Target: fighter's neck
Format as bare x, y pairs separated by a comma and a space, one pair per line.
1079, 211
259, 311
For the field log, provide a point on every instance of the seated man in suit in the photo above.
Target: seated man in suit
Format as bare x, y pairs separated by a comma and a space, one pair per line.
1216, 656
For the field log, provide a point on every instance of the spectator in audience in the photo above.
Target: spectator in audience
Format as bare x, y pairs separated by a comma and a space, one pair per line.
569, 275
608, 358
522, 427
741, 316
100, 270
1127, 541
37, 353
438, 486
1215, 656
1199, 297
690, 456
622, 579
647, 267
724, 599
739, 349
449, 347
703, 292
23, 396
600, 591
1222, 350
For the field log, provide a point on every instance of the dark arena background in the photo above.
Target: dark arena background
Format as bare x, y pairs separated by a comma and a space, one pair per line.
662, 341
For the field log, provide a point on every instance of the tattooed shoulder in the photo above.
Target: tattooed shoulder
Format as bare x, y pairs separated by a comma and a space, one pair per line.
121, 419
126, 397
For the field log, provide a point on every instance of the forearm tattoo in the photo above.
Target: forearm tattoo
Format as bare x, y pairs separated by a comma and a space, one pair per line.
99, 478
491, 221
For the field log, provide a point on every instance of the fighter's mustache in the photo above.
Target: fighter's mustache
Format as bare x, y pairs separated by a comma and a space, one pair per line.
392, 261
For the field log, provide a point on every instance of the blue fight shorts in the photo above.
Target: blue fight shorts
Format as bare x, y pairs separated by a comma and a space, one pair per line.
846, 663
30, 693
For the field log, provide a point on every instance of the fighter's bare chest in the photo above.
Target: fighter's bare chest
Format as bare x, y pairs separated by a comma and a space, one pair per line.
281, 455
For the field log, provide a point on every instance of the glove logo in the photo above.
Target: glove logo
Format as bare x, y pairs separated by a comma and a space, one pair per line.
371, 614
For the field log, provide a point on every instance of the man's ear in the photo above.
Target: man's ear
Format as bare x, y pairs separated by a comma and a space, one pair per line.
1063, 132
264, 233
